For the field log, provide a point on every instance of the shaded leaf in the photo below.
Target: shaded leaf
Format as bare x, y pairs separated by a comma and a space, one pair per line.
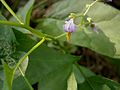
93, 82
21, 39
99, 83
7, 47
20, 84
7, 40
49, 67
44, 65
78, 75
1, 84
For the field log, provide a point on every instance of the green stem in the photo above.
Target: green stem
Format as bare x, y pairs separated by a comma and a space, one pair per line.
26, 80
60, 36
29, 52
34, 31
89, 6
11, 11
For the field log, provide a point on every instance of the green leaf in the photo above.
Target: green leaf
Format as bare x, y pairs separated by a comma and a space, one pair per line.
55, 68
115, 63
98, 83
22, 47
105, 87
9, 74
107, 14
72, 83
48, 67
20, 84
24, 14
1, 84
92, 82
79, 76
90, 39
6, 32
1, 77
108, 22
1, 73
21, 39
86, 38
7, 41
51, 26
28, 9
8, 77
63, 8
42, 68
23, 66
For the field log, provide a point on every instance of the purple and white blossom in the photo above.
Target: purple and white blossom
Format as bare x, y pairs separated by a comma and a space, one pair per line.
69, 26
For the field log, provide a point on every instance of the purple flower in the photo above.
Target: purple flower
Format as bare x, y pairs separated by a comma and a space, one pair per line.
94, 27
109, 0
69, 26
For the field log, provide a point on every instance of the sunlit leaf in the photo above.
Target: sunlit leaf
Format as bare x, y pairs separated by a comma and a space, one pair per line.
72, 83
108, 22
